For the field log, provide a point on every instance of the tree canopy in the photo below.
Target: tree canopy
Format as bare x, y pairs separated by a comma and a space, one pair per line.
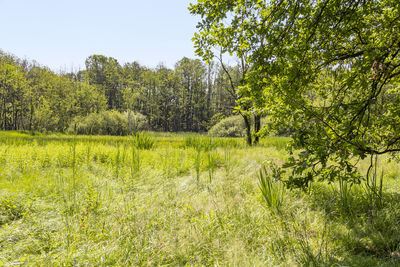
188, 97
327, 70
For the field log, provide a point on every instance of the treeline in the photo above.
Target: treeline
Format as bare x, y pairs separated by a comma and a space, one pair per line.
190, 97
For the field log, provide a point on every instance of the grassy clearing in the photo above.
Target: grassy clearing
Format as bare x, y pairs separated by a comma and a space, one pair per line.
185, 200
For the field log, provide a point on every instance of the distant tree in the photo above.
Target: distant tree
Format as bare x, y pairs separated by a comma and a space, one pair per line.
192, 75
181, 99
12, 95
106, 73
132, 86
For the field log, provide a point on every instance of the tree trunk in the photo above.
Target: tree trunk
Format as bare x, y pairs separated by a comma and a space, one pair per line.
257, 128
209, 91
5, 115
248, 129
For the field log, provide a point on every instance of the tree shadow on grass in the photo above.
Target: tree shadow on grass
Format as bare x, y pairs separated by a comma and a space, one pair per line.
366, 234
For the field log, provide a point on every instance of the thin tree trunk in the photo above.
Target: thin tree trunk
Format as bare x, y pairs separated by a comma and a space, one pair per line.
5, 114
31, 117
257, 128
209, 92
248, 129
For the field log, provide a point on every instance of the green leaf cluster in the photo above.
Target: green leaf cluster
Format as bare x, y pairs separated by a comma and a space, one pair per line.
327, 70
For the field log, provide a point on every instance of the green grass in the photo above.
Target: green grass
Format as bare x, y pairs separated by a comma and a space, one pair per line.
189, 200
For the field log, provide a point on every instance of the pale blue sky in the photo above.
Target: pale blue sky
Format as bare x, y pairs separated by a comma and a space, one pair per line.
62, 33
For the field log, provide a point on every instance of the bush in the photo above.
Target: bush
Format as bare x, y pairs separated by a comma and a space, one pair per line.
229, 127
137, 122
109, 122
216, 118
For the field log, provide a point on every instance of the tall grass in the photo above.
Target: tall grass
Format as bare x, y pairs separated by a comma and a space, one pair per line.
135, 162
207, 143
197, 165
81, 200
212, 163
374, 183
142, 140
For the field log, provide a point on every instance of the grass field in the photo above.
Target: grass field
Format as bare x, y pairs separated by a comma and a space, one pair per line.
184, 200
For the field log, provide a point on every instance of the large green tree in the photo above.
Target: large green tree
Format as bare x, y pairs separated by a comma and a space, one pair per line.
329, 70
223, 31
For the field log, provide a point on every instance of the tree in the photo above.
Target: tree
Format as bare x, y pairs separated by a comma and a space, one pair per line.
244, 106
132, 86
224, 100
219, 36
33, 97
12, 95
106, 73
192, 75
329, 70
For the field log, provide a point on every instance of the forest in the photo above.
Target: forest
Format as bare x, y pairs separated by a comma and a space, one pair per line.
190, 97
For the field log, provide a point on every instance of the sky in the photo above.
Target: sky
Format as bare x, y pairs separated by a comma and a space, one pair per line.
61, 34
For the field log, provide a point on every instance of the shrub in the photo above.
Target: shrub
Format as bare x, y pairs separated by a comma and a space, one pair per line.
109, 122
229, 127
216, 118
115, 123
136, 121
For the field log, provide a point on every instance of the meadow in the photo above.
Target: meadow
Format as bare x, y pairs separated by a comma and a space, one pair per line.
183, 199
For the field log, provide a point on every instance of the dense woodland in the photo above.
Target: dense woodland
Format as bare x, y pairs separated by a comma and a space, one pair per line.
190, 97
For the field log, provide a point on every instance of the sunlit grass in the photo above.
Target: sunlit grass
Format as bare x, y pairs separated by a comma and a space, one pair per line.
189, 200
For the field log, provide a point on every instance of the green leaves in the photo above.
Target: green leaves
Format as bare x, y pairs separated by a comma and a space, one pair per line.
327, 70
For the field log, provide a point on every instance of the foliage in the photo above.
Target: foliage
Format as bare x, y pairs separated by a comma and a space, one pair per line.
106, 74
104, 123
327, 70
215, 119
185, 98
136, 122
229, 127
179, 99
34, 98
